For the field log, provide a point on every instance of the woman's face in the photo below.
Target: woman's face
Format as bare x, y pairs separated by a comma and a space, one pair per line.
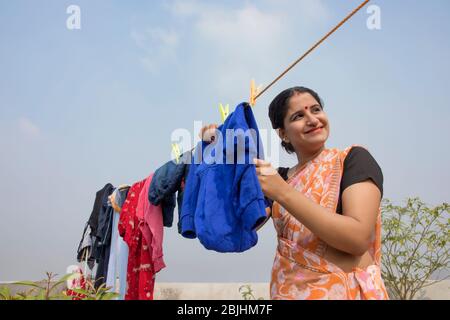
305, 124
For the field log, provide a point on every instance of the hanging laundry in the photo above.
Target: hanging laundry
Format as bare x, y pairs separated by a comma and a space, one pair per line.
168, 180
152, 226
94, 244
102, 243
223, 201
141, 267
84, 248
118, 257
100, 200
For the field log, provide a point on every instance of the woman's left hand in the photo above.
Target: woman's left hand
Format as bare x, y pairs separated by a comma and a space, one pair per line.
272, 184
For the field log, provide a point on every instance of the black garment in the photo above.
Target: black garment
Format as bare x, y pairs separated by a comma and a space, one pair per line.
98, 203
359, 165
85, 246
93, 225
103, 246
166, 181
100, 223
100, 226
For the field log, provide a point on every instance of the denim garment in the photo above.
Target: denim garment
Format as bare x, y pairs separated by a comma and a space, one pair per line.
168, 180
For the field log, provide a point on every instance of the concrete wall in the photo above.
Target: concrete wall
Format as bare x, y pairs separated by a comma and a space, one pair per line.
230, 291
206, 291
224, 291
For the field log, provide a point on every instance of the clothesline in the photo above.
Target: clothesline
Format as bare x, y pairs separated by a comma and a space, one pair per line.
312, 48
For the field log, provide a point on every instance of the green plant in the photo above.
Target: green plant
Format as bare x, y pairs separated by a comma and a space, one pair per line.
5, 294
247, 293
49, 289
44, 290
416, 245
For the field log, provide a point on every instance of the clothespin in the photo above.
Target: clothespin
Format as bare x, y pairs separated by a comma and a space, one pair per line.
176, 151
224, 112
254, 91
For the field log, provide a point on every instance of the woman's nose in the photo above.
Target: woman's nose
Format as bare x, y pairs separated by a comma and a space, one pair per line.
311, 120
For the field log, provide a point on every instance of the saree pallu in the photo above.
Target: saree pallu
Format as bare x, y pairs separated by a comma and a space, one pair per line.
299, 271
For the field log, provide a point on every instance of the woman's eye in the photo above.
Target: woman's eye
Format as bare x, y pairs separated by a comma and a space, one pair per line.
297, 116
316, 110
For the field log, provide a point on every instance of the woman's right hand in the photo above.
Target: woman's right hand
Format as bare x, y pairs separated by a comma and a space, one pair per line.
208, 133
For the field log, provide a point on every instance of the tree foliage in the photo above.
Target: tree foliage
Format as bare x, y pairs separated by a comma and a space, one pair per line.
416, 245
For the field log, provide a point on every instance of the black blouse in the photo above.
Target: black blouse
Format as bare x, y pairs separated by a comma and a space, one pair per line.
359, 166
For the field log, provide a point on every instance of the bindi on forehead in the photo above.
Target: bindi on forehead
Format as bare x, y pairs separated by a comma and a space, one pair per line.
310, 107
306, 108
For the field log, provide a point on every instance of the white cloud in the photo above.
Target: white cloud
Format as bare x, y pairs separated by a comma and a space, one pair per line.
28, 128
158, 45
251, 40
305, 12
244, 26
255, 39
184, 8
240, 40
230, 26
165, 38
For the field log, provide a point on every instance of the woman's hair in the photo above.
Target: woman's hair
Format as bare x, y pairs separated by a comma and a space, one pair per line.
279, 106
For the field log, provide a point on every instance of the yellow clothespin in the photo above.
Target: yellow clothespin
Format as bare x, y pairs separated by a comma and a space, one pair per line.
224, 112
254, 91
176, 151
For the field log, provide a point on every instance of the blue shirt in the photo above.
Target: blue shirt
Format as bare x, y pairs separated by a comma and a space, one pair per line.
223, 201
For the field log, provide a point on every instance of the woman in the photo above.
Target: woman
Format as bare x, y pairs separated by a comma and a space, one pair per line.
326, 209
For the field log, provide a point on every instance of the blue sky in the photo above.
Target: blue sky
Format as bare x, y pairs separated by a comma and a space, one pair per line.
80, 108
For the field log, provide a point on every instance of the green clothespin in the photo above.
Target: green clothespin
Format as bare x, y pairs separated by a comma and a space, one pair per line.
224, 112
176, 151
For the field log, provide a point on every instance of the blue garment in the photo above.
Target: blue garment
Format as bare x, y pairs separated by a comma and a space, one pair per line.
118, 258
166, 181
111, 275
223, 201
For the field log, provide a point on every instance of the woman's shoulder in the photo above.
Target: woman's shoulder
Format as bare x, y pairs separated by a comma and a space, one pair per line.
355, 148
359, 165
358, 153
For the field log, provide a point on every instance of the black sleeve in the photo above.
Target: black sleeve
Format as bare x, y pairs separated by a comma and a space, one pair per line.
283, 172
359, 165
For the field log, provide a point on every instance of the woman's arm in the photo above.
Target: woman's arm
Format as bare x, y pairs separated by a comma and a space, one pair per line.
350, 232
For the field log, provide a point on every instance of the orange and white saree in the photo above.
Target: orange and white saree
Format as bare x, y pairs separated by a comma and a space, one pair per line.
300, 271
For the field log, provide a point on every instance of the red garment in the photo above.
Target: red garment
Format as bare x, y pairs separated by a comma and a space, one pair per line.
79, 282
152, 227
140, 275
